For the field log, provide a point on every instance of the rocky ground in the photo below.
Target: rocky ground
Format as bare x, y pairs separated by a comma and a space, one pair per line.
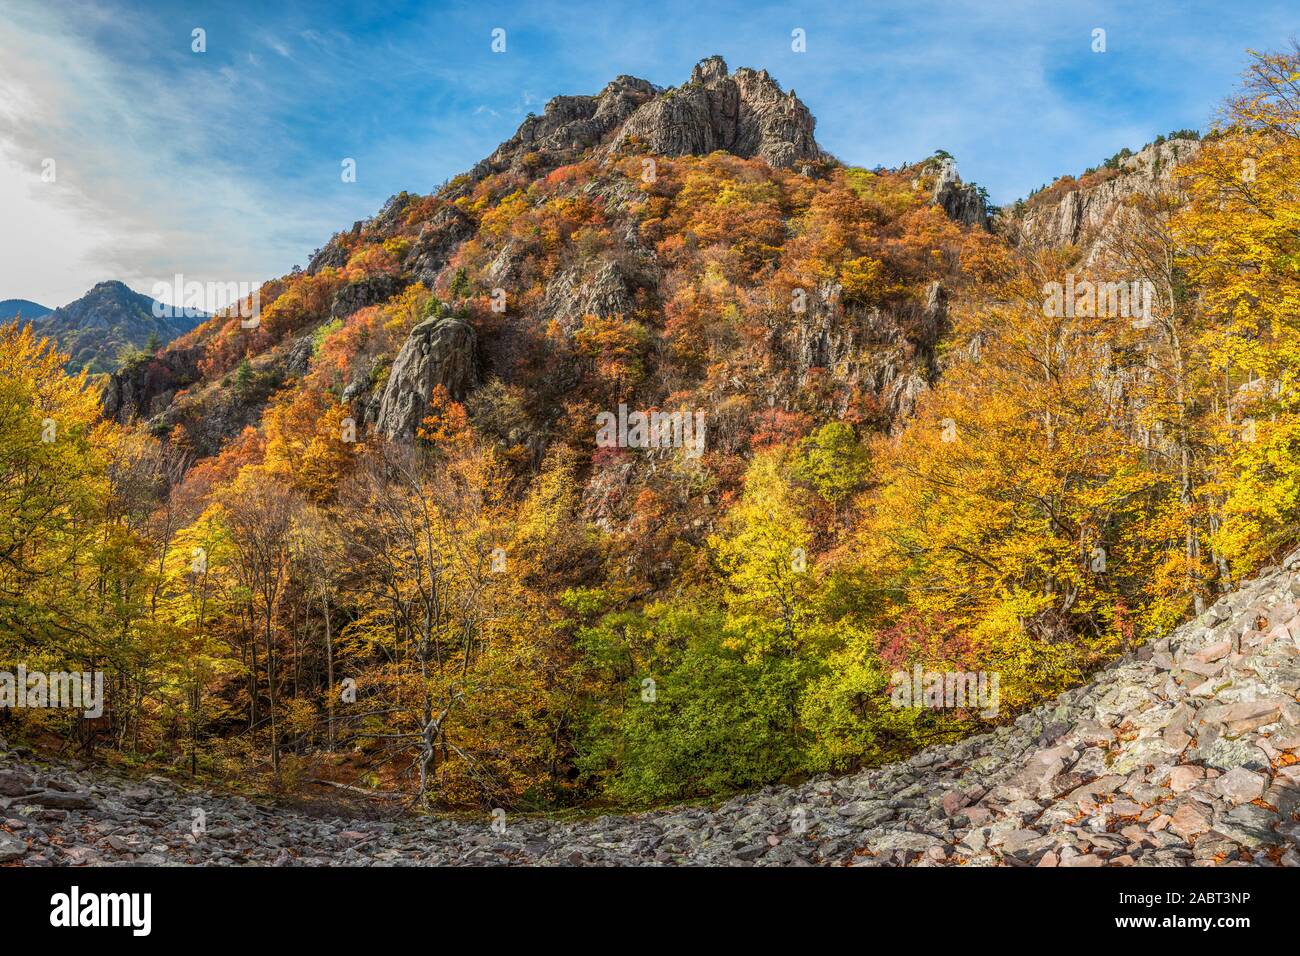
1185, 754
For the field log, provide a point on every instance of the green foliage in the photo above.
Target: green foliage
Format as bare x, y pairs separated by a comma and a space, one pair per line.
846, 710
833, 462
322, 332
713, 720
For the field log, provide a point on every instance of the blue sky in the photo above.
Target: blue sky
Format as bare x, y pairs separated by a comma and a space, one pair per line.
225, 165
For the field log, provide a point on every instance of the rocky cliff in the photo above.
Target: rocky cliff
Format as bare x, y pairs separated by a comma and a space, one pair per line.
961, 201
746, 114
1186, 753
1083, 213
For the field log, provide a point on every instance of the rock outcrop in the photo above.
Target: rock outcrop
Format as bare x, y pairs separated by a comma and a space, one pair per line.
439, 351
362, 293
570, 296
1183, 754
892, 353
746, 114
1086, 216
961, 201
145, 386
438, 239
568, 126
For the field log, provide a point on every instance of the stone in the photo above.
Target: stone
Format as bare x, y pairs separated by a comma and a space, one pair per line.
11, 847
1240, 785
60, 800
1225, 754
1190, 819
14, 784
1249, 825
953, 801
439, 351
1184, 777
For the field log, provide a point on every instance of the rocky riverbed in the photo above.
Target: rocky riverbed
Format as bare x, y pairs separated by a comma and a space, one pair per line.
1187, 753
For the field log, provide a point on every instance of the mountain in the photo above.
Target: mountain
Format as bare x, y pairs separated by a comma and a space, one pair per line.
576, 223
21, 308
693, 409
110, 318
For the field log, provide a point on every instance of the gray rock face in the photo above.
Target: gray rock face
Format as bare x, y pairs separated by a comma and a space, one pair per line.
569, 297
440, 351
362, 293
569, 125
746, 114
438, 239
11, 847
142, 389
1089, 216
961, 201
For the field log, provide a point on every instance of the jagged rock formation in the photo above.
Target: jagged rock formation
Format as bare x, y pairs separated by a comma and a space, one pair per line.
362, 293
439, 351
210, 411
570, 296
961, 201
568, 126
1183, 754
145, 386
1085, 216
437, 240
894, 353
746, 114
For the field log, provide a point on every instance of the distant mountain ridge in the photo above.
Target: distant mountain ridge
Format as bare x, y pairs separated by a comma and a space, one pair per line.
11, 309
95, 329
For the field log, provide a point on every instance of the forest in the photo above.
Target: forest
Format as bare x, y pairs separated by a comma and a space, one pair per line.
505, 611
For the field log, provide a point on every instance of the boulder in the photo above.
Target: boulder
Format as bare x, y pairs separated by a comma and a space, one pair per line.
439, 351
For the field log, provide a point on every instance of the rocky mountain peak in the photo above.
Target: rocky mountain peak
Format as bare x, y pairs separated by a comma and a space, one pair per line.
961, 201
709, 70
745, 113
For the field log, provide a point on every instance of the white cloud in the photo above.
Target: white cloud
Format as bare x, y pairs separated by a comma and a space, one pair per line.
142, 191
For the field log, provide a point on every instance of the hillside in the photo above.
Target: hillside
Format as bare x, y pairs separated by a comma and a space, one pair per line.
21, 308
1087, 211
108, 321
1186, 753
636, 464
563, 254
